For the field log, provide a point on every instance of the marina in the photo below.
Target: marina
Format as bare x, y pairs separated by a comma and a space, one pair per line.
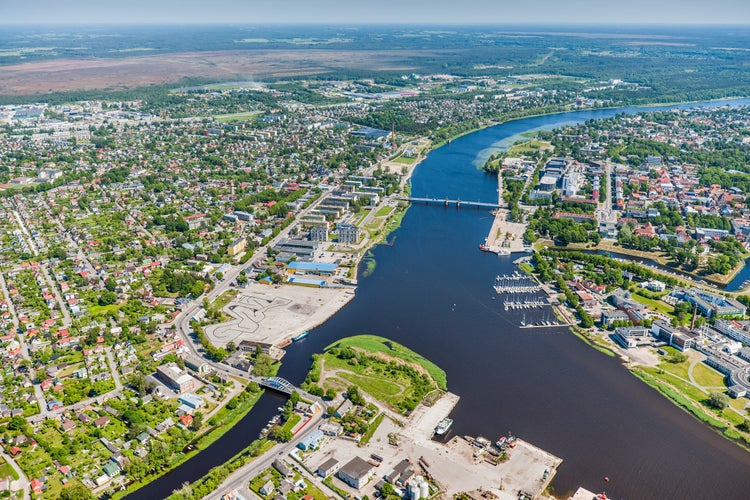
515, 283
531, 303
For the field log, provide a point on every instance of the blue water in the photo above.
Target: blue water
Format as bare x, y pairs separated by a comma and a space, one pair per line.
431, 291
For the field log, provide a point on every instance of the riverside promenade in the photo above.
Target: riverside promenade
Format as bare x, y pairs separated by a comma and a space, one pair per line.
504, 234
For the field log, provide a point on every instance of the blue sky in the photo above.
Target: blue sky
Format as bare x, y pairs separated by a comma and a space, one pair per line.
375, 11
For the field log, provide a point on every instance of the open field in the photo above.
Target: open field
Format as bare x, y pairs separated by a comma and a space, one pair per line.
374, 344
122, 73
236, 117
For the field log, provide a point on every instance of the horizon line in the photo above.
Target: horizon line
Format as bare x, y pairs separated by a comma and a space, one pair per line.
608, 24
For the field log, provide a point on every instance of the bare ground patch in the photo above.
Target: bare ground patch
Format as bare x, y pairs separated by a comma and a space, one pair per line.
61, 75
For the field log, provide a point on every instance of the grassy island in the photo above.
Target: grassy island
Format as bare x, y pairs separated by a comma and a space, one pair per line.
386, 370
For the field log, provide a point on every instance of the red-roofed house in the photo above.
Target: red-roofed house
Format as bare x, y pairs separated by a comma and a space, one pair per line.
101, 421
185, 421
36, 486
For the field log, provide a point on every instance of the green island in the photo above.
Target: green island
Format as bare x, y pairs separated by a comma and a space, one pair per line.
386, 370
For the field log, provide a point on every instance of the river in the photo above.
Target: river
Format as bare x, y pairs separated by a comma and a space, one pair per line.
432, 291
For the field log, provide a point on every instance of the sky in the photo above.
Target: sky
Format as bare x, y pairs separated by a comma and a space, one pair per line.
375, 11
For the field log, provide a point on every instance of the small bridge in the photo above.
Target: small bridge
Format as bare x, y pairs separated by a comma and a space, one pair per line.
277, 384
448, 202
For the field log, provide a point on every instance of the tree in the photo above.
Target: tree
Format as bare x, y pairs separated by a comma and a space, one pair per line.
279, 433
354, 396
107, 298
331, 393
58, 253
139, 383
136, 468
387, 490
17, 423
677, 357
718, 400
263, 365
75, 491
197, 421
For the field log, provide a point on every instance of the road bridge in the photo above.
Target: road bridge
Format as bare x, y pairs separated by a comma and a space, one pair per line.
450, 202
278, 384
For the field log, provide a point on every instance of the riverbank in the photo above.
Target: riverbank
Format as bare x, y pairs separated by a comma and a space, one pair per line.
451, 464
220, 424
721, 280
688, 277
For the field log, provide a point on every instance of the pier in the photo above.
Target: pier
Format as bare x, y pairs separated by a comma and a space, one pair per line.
533, 303
515, 283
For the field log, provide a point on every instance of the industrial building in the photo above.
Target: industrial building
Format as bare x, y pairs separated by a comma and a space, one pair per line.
301, 249
711, 304
175, 378
356, 472
316, 268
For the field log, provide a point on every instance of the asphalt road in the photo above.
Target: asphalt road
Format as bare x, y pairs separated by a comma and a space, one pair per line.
240, 478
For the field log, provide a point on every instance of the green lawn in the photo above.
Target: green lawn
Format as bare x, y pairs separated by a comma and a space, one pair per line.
679, 369
384, 211
7, 471
293, 420
375, 344
405, 160
657, 305
706, 376
738, 404
655, 380
379, 388
400, 386
109, 310
224, 299
371, 430
236, 117
527, 147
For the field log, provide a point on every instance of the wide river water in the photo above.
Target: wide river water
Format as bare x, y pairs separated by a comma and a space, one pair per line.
432, 291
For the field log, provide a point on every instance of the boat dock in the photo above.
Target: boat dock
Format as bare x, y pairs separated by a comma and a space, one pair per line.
533, 303
515, 283
553, 324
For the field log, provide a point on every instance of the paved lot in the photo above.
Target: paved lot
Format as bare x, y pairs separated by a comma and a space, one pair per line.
272, 314
453, 465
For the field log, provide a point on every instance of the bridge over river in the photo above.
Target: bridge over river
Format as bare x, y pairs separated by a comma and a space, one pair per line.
278, 384
450, 202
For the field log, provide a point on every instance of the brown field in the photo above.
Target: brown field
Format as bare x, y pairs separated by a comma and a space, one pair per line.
116, 74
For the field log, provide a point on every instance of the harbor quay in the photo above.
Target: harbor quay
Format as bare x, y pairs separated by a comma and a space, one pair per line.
403, 453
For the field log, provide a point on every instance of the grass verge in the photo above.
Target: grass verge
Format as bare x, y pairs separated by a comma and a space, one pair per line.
371, 430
